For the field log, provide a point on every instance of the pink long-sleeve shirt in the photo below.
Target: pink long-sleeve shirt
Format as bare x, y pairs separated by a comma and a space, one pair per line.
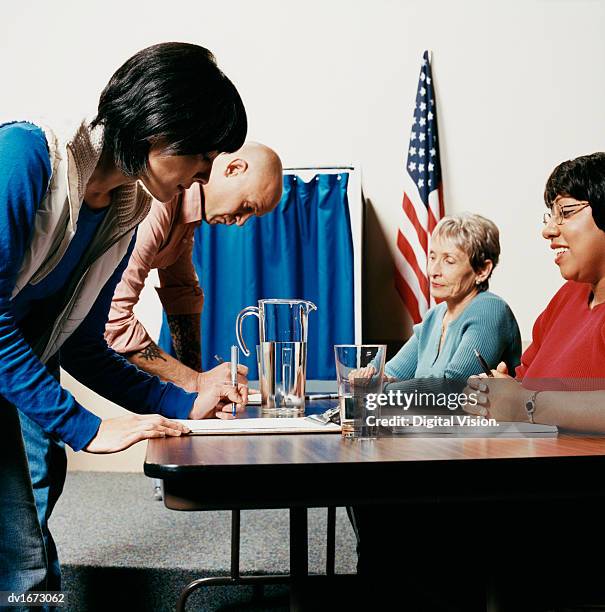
164, 241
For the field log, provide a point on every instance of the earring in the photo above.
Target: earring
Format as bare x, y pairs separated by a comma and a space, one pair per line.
477, 282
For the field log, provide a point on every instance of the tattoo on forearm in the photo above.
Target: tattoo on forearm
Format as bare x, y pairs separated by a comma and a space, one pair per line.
151, 352
185, 330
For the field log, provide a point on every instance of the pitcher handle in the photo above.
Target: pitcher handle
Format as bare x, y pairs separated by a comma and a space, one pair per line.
246, 312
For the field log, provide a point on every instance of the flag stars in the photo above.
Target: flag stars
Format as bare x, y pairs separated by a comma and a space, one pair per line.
422, 164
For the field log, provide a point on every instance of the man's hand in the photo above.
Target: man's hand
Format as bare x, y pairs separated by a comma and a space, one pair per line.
215, 401
122, 432
222, 374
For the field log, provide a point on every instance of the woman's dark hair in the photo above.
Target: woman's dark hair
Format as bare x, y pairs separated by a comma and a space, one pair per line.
171, 94
582, 178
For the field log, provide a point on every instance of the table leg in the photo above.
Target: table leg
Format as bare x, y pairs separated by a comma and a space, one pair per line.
331, 541
235, 529
299, 557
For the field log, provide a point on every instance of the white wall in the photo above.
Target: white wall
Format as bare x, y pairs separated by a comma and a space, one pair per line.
519, 86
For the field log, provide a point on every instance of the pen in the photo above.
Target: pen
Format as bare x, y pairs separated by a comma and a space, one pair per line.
234, 362
321, 396
483, 363
219, 359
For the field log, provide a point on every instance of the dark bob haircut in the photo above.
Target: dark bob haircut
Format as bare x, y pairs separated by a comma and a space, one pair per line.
174, 95
582, 178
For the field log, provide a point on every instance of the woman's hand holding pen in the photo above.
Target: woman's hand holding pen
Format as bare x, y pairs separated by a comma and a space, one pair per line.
214, 400
499, 397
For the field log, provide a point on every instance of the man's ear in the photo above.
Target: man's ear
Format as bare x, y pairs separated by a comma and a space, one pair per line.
236, 166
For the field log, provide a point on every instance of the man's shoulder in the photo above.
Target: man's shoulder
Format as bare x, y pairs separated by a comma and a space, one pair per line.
159, 221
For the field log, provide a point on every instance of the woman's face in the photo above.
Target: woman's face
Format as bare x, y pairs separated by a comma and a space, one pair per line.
578, 243
169, 175
450, 273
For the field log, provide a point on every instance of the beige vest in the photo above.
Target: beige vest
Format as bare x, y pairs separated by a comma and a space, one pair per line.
73, 158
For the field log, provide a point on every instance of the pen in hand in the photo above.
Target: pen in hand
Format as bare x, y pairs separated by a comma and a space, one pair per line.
234, 364
484, 366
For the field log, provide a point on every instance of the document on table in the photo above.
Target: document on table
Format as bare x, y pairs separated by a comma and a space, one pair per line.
502, 429
262, 425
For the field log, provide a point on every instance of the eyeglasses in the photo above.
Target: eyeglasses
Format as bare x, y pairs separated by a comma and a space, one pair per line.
560, 214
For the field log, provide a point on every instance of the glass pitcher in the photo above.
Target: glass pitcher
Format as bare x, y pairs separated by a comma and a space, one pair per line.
278, 321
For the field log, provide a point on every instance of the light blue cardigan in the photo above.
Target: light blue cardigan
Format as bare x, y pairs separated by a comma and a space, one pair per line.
487, 324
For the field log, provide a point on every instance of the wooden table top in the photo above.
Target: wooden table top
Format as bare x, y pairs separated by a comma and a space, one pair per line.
240, 451
243, 470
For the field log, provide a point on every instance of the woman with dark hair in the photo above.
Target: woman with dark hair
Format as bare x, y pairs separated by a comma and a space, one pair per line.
561, 381
567, 352
69, 206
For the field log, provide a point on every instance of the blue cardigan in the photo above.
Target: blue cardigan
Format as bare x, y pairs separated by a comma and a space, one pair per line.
487, 324
24, 381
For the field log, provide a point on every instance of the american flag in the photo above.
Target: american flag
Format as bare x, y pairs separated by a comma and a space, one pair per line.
422, 200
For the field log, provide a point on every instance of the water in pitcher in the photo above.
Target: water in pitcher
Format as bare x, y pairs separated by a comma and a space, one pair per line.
282, 372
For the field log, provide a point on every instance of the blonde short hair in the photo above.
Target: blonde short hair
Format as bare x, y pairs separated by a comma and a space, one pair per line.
476, 236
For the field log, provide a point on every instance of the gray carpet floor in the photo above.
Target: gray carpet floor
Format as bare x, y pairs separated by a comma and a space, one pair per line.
120, 548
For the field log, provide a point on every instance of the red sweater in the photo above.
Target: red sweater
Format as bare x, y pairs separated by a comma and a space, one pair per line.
568, 343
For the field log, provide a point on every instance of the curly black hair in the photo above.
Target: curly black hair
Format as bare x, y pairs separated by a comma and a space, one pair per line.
582, 178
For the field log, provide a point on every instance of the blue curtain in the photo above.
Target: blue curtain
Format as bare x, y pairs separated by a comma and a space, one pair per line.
302, 250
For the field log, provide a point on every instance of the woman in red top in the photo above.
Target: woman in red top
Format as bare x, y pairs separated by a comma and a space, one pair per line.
568, 345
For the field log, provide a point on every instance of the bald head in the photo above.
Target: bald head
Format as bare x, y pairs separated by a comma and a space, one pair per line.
242, 184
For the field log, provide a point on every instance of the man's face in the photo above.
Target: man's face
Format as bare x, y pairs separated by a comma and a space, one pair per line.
233, 198
169, 175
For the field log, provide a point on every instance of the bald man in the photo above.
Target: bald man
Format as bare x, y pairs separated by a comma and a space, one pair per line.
241, 184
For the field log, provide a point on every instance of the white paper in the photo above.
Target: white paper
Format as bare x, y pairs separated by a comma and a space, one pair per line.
262, 425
